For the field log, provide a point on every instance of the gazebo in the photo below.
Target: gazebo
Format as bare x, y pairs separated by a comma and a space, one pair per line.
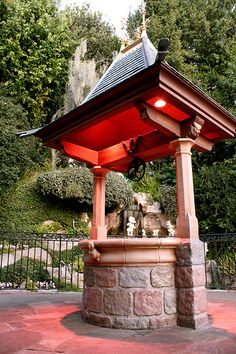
142, 109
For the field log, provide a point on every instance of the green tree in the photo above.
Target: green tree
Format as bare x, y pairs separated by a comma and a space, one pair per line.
35, 45
100, 37
37, 41
16, 154
209, 39
215, 191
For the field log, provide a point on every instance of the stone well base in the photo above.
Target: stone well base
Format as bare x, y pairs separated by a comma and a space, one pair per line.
134, 298
130, 284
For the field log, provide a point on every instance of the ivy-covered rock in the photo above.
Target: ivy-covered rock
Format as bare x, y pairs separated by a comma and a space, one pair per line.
16, 154
77, 183
167, 198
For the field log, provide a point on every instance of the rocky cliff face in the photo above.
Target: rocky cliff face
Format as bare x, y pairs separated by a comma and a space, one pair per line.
82, 77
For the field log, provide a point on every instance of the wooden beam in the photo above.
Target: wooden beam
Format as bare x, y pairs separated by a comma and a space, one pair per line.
118, 155
169, 126
80, 153
166, 125
202, 144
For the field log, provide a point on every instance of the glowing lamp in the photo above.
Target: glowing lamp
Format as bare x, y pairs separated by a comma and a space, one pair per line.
160, 103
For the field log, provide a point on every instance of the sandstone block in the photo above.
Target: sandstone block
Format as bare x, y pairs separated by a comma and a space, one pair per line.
85, 298
134, 277
162, 275
170, 301
117, 302
89, 276
94, 300
131, 323
190, 253
106, 277
147, 302
103, 321
163, 321
190, 276
191, 301
195, 322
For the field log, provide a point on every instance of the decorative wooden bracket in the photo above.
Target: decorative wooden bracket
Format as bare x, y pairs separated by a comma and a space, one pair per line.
191, 128
133, 146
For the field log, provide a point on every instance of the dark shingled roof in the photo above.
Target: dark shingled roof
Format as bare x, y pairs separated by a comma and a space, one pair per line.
131, 60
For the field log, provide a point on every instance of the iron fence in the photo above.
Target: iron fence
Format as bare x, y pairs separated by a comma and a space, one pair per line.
35, 261
220, 260
54, 261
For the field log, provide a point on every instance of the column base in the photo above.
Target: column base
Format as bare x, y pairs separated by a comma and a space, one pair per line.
190, 284
194, 322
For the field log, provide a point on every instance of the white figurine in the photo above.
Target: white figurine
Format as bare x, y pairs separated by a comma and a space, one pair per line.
155, 232
131, 226
170, 229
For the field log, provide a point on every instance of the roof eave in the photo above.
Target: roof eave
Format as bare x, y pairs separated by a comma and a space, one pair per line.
160, 74
127, 91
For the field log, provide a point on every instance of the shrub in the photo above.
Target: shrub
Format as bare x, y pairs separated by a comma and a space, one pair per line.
24, 209
167, 198
24, 269
77, 183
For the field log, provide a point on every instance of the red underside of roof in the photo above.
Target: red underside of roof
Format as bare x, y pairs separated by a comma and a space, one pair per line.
101, 131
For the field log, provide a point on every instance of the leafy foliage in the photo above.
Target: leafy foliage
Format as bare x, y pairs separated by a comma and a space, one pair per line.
77, 184
36, 44
101, 41
23, 208
215, 198
148, 184
16, 154
24, 269
168, 201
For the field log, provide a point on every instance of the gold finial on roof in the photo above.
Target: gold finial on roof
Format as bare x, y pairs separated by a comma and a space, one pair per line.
143, 13
125, 40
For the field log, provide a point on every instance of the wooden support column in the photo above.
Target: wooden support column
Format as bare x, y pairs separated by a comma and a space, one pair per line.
186, 223
98, 230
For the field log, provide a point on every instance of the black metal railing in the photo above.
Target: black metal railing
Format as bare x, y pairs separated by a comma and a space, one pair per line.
40, 261
54, 261
220, 260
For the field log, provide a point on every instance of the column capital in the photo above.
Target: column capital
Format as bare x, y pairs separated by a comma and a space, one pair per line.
182, 145
99, 171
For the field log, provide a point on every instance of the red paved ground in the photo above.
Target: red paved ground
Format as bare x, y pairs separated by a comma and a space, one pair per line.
34, 323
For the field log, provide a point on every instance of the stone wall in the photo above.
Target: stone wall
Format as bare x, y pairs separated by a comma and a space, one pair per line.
130, 297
